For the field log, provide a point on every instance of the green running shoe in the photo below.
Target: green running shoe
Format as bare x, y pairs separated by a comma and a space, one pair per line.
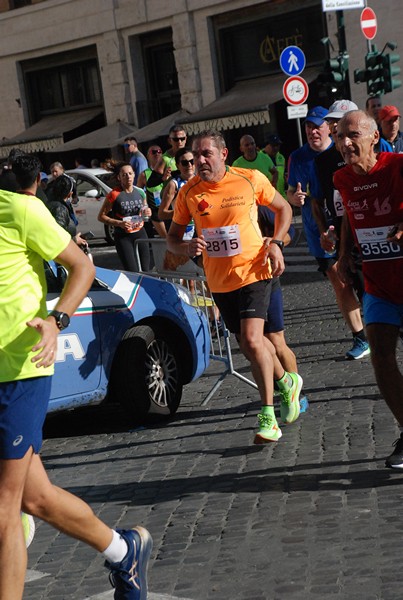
28, 525
269, 431
289, 405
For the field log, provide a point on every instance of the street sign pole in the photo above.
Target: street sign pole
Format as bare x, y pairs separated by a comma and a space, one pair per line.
295, 89
368, 41
343, 49
299, 132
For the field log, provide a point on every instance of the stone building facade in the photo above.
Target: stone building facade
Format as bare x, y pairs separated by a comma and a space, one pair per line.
99, 61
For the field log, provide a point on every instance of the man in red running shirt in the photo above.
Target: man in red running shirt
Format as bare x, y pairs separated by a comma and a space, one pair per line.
371, 188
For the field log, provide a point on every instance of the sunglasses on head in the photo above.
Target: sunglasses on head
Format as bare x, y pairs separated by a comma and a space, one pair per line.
178, 139
156, 151
186, 163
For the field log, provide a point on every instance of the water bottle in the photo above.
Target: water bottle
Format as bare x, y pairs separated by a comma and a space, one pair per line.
143, 209
332, 237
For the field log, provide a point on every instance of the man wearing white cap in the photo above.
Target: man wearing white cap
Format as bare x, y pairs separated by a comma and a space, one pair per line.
327, 208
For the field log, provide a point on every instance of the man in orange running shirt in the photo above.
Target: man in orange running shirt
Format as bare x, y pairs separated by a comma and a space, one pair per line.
239, 263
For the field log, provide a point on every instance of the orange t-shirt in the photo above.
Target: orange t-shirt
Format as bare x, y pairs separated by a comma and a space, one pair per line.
226, 214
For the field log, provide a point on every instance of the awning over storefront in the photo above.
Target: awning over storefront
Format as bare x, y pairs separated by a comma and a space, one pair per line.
48, 133
105, 137
244, 105
159, 128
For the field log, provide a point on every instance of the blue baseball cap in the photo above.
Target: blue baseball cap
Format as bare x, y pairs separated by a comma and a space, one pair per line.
316, 115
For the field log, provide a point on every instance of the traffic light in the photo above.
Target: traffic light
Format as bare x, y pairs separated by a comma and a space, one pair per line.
334, 74
379, 71
389, 72
374, 73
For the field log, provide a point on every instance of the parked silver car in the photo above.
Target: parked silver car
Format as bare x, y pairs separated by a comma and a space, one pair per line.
92, 187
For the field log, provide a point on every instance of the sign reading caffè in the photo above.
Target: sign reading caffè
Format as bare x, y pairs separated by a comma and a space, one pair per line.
271, 47
253, 48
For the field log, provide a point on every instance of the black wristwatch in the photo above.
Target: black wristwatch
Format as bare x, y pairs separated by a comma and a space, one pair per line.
278, 243
62, 319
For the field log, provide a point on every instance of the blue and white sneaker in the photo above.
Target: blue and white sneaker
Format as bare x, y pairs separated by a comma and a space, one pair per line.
359, 350
303, 404
129, 577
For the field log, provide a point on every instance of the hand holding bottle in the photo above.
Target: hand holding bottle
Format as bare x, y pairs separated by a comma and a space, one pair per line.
146, 211
328, 240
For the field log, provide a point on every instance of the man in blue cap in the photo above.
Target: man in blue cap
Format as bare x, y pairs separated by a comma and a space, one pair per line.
304, 186
302, 176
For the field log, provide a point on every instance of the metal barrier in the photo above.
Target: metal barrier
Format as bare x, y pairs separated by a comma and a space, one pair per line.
192, 277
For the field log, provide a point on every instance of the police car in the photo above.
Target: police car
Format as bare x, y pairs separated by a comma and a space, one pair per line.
134, 339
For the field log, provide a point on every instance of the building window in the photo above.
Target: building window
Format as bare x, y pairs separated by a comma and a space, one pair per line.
19, 3
157, 89
62, 82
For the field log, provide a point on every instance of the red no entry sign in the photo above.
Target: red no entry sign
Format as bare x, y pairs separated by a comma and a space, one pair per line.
368, 23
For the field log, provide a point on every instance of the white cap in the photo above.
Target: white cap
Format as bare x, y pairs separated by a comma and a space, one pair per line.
340, 108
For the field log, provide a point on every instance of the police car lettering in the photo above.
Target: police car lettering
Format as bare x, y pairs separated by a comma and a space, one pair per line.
69, 345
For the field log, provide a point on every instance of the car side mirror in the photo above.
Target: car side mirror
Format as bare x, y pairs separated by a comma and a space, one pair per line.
91, 194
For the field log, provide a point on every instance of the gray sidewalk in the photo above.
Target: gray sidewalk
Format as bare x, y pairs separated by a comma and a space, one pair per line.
315, 516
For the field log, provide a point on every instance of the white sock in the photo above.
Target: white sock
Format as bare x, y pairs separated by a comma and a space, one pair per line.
117, 549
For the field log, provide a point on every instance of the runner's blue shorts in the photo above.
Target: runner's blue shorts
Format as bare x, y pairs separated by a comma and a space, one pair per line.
379, 310
275, 313
23, 407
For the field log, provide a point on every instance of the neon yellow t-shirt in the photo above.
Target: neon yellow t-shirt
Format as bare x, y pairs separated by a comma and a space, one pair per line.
169, 160
28, 234
226, 214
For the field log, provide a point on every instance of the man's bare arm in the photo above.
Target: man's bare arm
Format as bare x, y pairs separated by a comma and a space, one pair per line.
176, 245
81, 274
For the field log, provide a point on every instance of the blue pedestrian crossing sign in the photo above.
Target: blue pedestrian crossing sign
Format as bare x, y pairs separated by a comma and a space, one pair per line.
292, 60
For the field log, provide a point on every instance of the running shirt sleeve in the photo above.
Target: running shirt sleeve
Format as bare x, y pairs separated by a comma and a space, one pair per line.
264, 191
113, 194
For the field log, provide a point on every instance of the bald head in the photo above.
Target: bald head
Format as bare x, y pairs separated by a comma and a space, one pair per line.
247, 146
361, 117
357, 135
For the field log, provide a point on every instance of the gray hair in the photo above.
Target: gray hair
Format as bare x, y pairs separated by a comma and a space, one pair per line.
215, 135
372, 126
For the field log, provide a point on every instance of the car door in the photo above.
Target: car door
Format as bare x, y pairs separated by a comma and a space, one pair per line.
78, 362
90, 199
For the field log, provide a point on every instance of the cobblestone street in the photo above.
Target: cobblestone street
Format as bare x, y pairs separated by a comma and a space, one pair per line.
315, 516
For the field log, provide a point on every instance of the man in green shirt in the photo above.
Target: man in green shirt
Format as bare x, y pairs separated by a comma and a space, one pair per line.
177, 139
272, 149
252, 159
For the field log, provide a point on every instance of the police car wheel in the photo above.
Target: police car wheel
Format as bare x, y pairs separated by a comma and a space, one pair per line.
110, 234
149, 380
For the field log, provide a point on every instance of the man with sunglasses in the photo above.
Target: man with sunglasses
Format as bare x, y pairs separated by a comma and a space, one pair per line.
176, 139
136, 158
